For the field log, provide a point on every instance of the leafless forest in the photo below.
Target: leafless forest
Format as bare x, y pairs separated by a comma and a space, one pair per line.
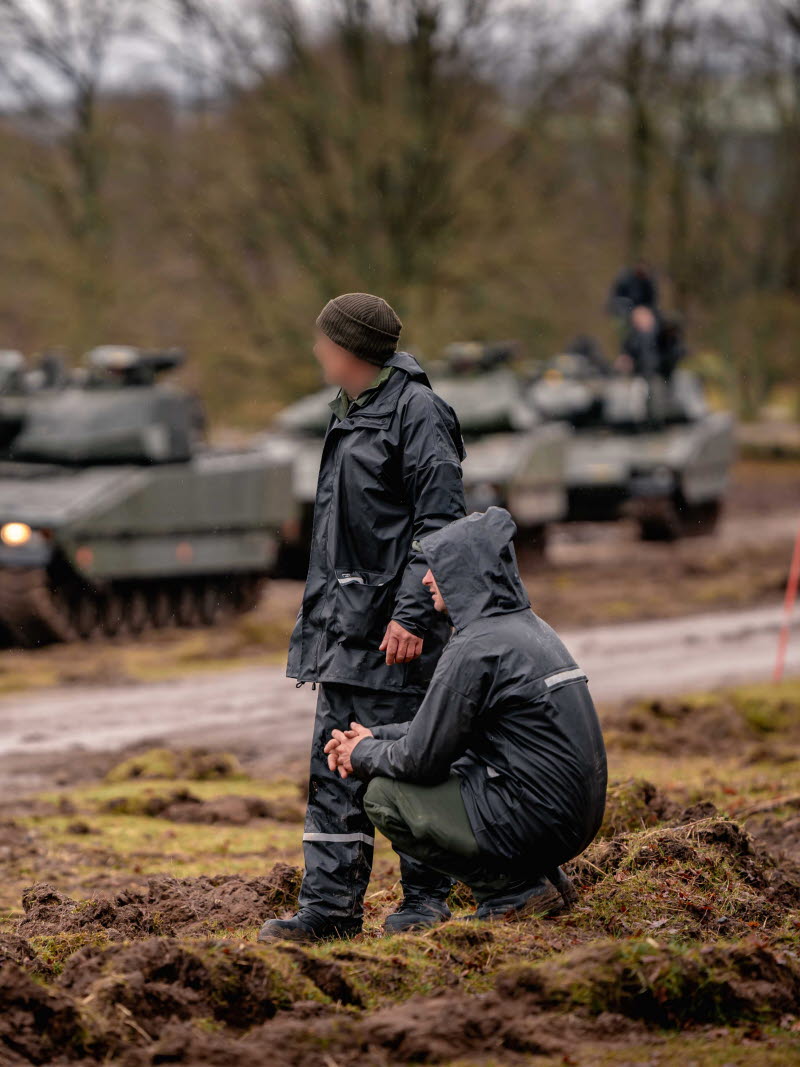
207, 174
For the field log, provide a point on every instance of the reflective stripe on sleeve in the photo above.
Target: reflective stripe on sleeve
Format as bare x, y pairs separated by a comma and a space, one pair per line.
340, 837
565, 676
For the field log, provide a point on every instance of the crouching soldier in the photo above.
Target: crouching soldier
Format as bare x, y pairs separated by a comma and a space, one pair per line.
500, 777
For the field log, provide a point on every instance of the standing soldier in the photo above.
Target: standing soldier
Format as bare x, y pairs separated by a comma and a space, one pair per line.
367, 631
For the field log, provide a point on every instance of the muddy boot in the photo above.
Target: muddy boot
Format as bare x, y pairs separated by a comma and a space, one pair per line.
531, 900
566, 887
309, 929
417, 912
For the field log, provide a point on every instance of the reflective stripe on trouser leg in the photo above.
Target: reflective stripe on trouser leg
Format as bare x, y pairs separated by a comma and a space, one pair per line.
340, 837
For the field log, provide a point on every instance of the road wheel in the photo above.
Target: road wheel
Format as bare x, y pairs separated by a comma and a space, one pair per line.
211, 602
187, 605
700, 520
248, 591
673, 519
659, 528
161, 606
137, 615
86, 615
531, 545
112, 614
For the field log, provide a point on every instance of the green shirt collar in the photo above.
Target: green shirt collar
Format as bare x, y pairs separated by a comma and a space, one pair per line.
342, 403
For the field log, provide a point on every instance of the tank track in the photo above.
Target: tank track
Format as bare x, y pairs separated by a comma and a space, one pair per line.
37, 609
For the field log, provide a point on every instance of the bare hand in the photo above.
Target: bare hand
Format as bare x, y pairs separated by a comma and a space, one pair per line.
400, 645
340, 747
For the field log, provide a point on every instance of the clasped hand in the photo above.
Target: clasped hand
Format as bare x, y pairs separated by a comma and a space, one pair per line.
339, 749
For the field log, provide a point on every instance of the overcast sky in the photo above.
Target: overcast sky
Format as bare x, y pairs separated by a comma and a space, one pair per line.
139, 61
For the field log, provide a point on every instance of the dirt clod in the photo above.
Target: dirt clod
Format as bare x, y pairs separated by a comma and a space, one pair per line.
327, 976
634, 805
196, 764
707, 879
159, 979
167, 906
181, 805
36, 1024
15, 841
665, 985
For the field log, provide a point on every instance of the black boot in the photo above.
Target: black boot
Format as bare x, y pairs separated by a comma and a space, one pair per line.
309, 929
565, 886
417, 912
531, 900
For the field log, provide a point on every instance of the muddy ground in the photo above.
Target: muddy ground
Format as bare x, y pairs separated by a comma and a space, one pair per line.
129, 907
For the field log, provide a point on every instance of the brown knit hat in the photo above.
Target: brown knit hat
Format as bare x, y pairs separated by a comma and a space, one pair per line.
363, 324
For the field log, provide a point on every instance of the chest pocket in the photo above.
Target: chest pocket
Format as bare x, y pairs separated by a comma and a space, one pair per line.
364, 604
370, 524
367, 456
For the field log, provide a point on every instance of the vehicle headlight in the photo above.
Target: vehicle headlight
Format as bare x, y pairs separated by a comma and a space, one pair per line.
15, 533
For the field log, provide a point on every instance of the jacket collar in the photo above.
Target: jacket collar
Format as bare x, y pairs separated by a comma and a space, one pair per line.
406, 362
342, 403
385, 400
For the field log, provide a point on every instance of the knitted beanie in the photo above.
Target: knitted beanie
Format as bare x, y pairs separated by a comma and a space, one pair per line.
363, 324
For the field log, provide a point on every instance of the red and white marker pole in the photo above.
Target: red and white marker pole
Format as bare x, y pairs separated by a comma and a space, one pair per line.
788, 608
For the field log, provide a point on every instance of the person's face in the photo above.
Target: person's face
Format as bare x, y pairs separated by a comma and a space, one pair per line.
430, 584
643, 319
337, 363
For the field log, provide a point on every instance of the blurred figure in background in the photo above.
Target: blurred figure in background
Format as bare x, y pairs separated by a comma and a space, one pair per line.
633, 287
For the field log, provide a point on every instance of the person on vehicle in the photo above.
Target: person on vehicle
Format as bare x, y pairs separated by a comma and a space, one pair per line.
633, 287
367, 632
501, 775
640, 347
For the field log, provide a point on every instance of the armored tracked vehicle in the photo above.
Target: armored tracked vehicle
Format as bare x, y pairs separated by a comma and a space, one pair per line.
515, 459
648, 450
115, 516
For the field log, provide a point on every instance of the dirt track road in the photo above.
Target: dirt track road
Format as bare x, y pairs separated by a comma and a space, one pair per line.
45, 730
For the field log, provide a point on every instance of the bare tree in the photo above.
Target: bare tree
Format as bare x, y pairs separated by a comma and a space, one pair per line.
55, 52
773, 54
367, 154
645, 40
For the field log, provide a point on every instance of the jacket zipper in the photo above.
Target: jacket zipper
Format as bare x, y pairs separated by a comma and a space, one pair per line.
323, 616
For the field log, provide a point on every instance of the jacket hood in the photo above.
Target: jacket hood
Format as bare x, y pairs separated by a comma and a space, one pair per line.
406, 362
475, 566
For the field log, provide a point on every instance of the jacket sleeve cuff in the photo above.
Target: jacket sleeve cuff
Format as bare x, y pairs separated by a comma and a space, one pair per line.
365, 754
413, 626
391, 731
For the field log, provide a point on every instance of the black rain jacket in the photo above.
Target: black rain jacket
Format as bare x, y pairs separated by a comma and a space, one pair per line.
390, 473
508, 709
631, 289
